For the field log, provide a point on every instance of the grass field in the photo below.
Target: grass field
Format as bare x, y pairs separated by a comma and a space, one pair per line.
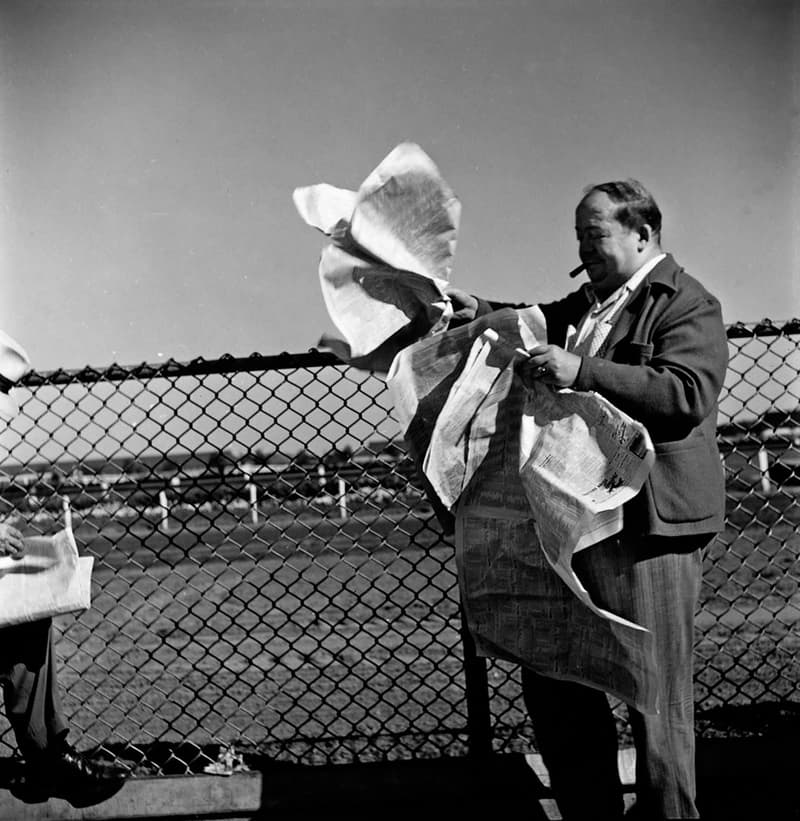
306, 634
749, 623
314, 639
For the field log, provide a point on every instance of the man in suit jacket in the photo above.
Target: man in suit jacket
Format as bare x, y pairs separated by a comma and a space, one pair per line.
28, 675
650, 339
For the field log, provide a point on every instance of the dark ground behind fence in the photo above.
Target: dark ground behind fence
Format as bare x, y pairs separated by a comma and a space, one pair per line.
269, 575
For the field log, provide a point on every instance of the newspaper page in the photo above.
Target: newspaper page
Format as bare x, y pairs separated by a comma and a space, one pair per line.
532, 477
446, 390
49, 579
391, 255
581, 459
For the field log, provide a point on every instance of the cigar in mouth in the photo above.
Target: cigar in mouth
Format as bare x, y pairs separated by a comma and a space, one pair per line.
575, 271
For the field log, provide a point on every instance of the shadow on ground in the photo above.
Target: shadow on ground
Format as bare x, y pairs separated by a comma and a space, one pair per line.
737, 779
747, 778
746, 768
411, 790
17, 781
747, 761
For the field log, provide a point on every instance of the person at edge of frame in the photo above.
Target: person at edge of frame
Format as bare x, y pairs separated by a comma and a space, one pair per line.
649, 338
28, 673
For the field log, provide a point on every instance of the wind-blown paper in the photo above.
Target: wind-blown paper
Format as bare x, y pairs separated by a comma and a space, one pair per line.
391, 256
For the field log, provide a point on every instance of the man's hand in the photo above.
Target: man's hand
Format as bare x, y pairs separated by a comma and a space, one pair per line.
11, 543
465, 306
550, 364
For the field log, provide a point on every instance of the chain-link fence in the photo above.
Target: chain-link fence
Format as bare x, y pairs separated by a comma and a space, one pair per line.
269, 575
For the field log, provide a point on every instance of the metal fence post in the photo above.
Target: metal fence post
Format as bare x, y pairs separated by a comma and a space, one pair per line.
163, 505
763, 463
67, 512
341, 495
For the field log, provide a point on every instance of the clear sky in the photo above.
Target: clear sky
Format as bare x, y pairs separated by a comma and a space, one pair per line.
150, 148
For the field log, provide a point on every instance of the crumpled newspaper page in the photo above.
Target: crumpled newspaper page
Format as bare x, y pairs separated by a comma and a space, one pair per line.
530, 477
229, 761
446, 390
581, 459
391, 256
49, 579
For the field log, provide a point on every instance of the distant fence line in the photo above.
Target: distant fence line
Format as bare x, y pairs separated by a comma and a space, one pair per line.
309, 610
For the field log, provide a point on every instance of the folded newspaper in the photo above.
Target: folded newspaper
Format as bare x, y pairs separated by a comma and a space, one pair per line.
49, 579
393, 241
525, 478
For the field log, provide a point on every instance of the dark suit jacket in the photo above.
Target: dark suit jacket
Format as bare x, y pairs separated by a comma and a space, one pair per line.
663, 364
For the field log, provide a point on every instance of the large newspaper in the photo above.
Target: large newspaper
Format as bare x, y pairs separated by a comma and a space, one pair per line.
525, 478
391, 254
531, 477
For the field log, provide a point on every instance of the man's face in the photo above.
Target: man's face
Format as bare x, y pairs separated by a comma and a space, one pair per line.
610, 251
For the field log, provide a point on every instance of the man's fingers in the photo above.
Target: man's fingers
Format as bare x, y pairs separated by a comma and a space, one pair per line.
465, 306
538, 363
11, 543
464, 313
531, 372
540, 350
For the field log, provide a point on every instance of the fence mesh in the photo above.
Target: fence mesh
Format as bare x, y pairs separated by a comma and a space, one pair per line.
269, 575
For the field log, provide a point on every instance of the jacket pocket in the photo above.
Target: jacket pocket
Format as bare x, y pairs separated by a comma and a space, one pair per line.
687, 481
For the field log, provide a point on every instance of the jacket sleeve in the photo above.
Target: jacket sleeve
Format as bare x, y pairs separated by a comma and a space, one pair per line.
486, 306
673, 386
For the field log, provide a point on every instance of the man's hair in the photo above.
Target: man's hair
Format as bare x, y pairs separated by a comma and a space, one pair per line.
635, 204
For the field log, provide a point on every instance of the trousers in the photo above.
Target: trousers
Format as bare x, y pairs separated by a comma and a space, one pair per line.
655, 582
30, 687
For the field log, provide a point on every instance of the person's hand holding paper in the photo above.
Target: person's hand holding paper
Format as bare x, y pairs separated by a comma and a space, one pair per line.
464, 305
11, 543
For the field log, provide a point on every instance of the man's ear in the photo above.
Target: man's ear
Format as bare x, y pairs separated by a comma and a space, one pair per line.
645, 236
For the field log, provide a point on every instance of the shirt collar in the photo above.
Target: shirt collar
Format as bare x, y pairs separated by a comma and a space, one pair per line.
627, 287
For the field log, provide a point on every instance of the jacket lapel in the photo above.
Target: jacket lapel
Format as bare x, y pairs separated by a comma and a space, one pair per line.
664, 272
623, 325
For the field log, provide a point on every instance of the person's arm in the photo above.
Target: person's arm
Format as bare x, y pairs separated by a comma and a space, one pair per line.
678, 386
467, 307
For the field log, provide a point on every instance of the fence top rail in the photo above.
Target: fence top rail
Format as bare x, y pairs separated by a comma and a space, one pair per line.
766, 327
172, 369
313, 358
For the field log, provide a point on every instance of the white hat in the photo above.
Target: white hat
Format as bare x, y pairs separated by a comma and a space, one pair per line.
14, 364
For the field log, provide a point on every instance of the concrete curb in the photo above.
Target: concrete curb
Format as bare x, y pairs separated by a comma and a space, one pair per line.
285, 791
737, 778
162, 797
